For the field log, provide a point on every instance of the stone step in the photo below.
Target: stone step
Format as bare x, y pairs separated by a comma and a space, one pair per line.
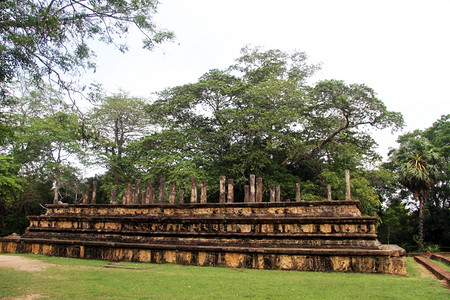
310, 208
437, 270
389, 260
441, 258
250, 240
204, 218
305, 235
212, 224
208, 248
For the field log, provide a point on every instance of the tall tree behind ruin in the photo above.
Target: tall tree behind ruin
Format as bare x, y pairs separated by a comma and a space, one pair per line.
114, 123
260, 116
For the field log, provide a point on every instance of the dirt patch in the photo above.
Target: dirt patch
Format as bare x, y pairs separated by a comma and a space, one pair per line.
27, 297
22, 264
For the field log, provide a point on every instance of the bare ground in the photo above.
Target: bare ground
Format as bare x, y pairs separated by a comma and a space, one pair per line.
22, 264
27, 297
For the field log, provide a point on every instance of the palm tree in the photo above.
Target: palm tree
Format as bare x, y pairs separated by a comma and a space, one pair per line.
417, 166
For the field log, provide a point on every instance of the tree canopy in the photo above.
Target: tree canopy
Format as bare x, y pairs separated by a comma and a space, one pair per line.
51, 37
114, 123
261, 117
418, 168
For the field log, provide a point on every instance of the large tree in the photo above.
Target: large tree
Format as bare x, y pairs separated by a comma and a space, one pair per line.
418, 169
43, 143
439, 136
114, 123
47, 138
51, 37
260, 116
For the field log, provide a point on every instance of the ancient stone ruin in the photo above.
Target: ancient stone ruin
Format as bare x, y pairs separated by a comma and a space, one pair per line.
296, 235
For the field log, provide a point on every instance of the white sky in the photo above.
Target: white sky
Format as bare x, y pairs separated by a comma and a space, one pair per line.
399, 48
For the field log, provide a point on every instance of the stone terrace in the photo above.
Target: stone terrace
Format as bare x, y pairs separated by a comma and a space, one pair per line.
300, 235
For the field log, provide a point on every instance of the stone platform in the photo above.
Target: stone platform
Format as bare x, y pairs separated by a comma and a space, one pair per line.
304, 236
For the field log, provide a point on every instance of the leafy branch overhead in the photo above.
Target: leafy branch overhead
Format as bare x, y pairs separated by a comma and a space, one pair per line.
341, 108
51, 37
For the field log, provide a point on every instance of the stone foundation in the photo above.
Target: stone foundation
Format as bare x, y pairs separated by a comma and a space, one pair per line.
304, 236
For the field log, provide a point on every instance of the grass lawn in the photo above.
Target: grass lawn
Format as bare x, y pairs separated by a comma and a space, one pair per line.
88, 279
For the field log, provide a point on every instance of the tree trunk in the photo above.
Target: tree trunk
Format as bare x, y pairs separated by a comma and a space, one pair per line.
420, 241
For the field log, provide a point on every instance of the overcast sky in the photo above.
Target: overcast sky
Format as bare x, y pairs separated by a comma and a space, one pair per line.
399, 48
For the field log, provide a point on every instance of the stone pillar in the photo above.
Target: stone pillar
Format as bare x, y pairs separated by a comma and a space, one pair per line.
329, 192
230, 195
162, 190
94, 192
272, 193
87, 187
181, 197
173, 192
259, 187
252, 188
143, 196
278, 194
149, 194
246, 193
127, 196
137, 191
194, 190
348, 194
298, 196
203, 195
113, 196
152, 198
222, 192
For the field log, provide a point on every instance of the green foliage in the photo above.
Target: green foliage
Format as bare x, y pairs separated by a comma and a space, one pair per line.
260, 117
397, 226
419, 168
400, 224
47, 138
113, 125
50, 38
433, 248
439, 135
361, 189
45, 142
10, 183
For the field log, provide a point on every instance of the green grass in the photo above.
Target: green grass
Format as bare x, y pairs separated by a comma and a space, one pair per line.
87, 279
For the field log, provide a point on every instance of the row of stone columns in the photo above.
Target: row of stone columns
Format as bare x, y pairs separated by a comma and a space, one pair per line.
148, 195
348, 194
87, 188
252, 192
